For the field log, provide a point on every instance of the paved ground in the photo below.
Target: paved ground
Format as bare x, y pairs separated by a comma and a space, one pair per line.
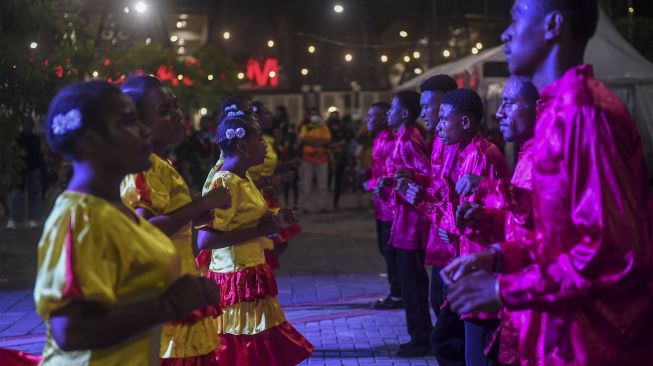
329, 276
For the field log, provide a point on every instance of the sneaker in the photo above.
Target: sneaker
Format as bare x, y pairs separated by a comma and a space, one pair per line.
11, 224
33, 224
412, 350
388, 303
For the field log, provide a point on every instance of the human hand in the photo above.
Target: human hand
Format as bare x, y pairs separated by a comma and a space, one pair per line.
403, 173
188, 294
269, 224
217, 198
468, 184
448, 237
463, 266
287, 217
469, 214
414, 194
474, 293
402, 185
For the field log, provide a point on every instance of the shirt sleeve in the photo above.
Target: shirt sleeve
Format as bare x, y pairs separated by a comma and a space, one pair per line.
147, 190
78, 260
611, 246
222, 218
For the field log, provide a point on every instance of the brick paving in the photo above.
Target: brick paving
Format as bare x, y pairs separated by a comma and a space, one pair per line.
329, 276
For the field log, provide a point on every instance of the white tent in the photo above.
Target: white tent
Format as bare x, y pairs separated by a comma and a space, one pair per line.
615, 62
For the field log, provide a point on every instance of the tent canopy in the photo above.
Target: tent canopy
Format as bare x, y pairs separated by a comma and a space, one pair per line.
615, 62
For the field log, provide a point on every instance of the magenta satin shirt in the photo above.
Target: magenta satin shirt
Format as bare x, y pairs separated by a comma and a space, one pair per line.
588, 288
384, 144
410, 227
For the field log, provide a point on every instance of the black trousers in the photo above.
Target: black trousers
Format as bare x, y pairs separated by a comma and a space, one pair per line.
414, 283
437, 291
390, 255
448, 339
338, 183
448, 336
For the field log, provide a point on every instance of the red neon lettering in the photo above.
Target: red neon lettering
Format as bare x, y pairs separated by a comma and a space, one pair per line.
262, 77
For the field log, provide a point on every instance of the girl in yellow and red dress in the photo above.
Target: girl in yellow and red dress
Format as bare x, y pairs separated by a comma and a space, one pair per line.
253, 327
107, 279
161, 196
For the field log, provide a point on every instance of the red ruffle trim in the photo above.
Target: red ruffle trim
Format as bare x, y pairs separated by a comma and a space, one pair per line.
203, 260
212, 311
209, 359
12, 357
245, 285
282, 345
286, 234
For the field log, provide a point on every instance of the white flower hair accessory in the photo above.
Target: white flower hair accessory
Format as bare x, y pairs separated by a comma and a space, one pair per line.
66, 122
235, 114
231, 107
235, 132
255, 109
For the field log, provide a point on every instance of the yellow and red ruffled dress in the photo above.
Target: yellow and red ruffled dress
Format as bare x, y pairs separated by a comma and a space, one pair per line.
253, 328
161, 189
91, 251
265, 170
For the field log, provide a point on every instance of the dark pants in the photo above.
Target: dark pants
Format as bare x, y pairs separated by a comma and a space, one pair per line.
414, 284
31, 186
437, 291
448, 339
287, 187
477, 335
339, 176
390, 255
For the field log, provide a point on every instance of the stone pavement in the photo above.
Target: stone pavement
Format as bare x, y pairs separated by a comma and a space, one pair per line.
329, 276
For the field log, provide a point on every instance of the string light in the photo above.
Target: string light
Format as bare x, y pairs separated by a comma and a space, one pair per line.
210, 77
140, 7
226, 35
95, 74
446, 53
304, 71
126, 9
348, 57
406, 58
33, 45
416, 54
384, 58
311, 49
173, 38
631, 10
203, 111
338, 8
270, 43
148, 41
181, 50
403, 34
272, 74
475, 50
180, 77
418, 71
241, 76
479, 45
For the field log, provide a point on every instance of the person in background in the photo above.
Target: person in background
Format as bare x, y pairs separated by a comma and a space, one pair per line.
31, 179
340, 137
315, 138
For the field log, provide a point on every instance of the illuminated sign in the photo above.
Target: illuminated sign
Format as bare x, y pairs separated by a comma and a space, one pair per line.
268, 76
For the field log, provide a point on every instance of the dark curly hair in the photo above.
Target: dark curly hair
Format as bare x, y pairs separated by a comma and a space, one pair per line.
247, 123
136, 86
467, 102
87, 98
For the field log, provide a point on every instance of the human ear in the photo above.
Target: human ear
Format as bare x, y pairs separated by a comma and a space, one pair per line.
466, 122
553, 23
